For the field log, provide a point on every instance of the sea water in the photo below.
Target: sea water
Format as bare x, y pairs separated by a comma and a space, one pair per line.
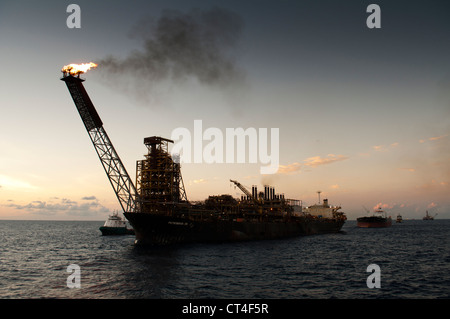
413, 258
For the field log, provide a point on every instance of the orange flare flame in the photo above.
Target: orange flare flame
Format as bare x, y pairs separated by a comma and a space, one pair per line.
77, 69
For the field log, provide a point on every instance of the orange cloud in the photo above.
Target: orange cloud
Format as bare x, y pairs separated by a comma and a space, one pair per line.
379, 148
437, 137
432, 205
382, 206
290, 168
434, 138
384, 148
310, 162
317, 160
386, 206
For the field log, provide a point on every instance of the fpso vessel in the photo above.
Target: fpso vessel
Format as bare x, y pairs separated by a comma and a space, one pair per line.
160, 213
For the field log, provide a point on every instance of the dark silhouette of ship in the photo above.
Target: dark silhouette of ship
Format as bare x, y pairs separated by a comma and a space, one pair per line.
428, 217
378, 219
157, 206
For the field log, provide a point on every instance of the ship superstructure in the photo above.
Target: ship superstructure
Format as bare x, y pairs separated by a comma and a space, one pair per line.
324, 210
115, 225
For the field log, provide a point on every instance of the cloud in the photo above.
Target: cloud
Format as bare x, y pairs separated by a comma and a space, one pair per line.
432, 205
13, 183
433, 138
198, 181
384, 148
382, 206
437, 137
290, 168
379, 148
388, 206
313, 161
89, 198
64, 206
317, 160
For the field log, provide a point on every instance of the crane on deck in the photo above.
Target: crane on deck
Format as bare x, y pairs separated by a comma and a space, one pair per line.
244, 190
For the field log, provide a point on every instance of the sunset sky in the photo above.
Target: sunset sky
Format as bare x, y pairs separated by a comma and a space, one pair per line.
363, 114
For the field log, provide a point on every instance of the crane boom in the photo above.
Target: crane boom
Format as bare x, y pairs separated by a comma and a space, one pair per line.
113, 166
243, 189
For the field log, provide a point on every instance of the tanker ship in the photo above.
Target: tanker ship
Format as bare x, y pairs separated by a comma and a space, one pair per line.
157, 206
377, 220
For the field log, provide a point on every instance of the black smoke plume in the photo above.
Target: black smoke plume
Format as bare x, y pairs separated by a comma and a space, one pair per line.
178, 47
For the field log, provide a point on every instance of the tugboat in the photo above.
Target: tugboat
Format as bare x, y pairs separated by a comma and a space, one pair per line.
378, 219
399, 218
115, 225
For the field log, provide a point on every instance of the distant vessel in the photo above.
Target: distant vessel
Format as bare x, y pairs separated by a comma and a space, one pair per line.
428, 217
115, 225
378, 219
399, 218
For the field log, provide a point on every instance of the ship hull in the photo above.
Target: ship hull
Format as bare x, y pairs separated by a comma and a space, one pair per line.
112, 231
152, 229
369, 222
